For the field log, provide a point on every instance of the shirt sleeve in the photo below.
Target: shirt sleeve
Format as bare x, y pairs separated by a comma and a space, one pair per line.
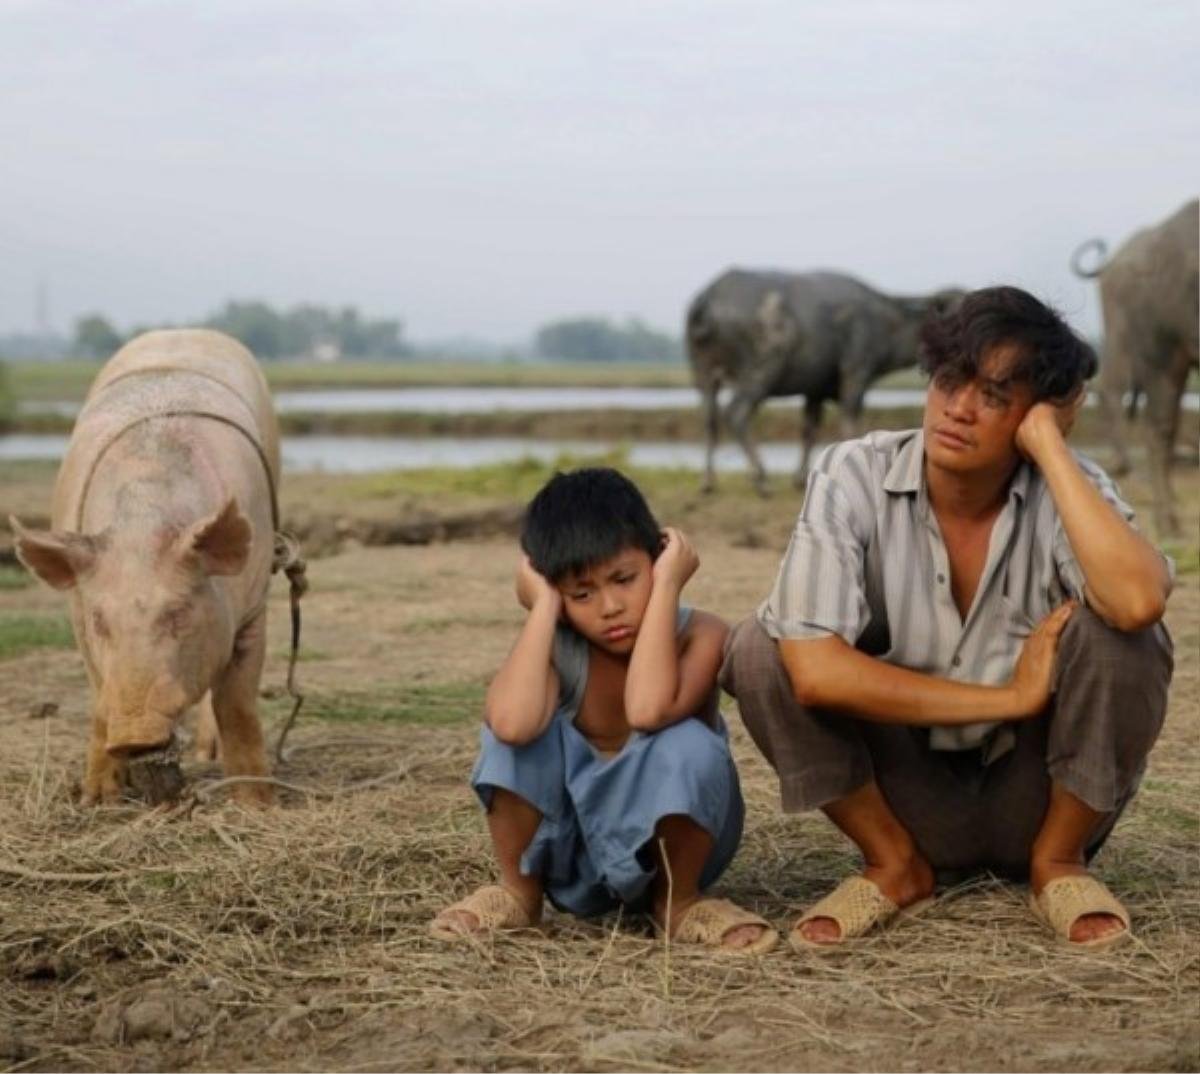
1065, 562
820, 589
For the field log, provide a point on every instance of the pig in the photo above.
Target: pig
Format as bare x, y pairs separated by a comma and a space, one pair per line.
163, 527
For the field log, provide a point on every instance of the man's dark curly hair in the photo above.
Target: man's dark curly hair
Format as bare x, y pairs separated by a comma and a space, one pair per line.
584, 517
1051, 358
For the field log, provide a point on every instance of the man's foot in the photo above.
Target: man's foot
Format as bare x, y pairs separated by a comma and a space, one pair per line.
1091, 929
487, 909
717, 923
903, 884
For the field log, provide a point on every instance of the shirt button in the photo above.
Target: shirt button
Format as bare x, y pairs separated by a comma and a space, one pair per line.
941, 579
957, 662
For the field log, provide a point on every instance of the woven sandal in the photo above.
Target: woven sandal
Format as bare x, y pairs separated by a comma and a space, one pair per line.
856, 905
708, 921
493, 906
1065, 900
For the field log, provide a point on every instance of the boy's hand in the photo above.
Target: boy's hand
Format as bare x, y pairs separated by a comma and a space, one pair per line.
1047, 418
677, 561
534, 588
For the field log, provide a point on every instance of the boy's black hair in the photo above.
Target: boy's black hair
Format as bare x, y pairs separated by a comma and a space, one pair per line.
1051, 358
584, 517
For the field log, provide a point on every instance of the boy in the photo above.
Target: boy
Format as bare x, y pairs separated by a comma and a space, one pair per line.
603, 752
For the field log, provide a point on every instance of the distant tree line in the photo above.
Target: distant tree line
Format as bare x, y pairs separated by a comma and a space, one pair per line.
304, 331
597, 339
310, 331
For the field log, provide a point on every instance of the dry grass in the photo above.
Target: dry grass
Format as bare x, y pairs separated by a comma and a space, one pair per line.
206, 937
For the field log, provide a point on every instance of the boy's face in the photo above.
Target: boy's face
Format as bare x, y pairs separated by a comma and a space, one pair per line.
605, 602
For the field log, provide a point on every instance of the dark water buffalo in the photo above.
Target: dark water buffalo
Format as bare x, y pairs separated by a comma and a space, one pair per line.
821, 335
1149, 297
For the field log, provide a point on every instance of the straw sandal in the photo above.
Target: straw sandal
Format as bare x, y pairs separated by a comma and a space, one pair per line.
708, 921
1065, 900
493, 906
856, 906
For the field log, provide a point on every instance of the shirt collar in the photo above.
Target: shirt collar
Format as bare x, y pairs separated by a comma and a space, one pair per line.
907, 472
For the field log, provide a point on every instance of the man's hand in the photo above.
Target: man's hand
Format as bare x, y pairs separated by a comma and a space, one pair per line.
1045, 422
677, 561
1033, 677
534, 588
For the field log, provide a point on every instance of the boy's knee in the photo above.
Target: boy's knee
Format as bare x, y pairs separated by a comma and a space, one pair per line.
692, 747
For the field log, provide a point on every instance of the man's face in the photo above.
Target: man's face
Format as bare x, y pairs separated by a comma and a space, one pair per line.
606, 602
971, 427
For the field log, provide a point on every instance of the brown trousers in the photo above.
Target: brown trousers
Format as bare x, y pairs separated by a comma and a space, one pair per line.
1108, 707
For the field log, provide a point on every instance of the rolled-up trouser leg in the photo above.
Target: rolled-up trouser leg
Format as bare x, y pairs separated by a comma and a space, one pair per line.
819, 757
1109, 704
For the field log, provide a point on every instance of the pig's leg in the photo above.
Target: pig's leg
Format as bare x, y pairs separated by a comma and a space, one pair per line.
235, 705
102, 778
207, 740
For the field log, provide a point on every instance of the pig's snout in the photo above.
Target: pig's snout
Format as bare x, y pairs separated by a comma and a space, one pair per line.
131, 736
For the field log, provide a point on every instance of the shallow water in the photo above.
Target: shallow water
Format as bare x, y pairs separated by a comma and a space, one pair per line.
364, 454
488, 400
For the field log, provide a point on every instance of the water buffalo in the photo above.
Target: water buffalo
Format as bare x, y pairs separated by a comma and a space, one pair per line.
1149, 297
821, 335
163, 530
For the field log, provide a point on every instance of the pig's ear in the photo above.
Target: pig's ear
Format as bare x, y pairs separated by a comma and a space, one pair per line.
221, 542
58, 559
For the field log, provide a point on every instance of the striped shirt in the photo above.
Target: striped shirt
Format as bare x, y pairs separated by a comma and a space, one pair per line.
867, 561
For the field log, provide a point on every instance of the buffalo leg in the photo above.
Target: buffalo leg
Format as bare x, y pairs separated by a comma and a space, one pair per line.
1114, 423
741, 410
235, 705
810, 425
1163, 398
712, 431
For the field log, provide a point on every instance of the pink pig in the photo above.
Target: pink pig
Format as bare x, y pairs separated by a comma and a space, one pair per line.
163, 531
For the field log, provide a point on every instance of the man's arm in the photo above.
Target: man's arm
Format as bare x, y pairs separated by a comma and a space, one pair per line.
1126, 578
522, 697
662, 685
830, 673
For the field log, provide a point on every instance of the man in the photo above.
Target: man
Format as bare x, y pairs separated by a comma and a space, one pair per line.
961, 662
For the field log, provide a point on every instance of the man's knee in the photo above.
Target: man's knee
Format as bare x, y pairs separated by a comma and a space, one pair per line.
1089, 642
751, 659
1109, 706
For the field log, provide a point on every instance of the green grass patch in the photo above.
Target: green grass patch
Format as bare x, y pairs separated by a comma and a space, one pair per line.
518, 479
304, 656
71, 379
14, 578
1186, 557
428, 704
22, 633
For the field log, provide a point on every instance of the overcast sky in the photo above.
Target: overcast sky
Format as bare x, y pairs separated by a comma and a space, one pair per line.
479, 167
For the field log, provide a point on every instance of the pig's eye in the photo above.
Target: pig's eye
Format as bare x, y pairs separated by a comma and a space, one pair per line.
174, 619
99, 624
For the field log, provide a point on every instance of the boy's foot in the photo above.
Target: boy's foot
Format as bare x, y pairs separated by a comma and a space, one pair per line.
860, 903
487, 909
1077, 906
721, 924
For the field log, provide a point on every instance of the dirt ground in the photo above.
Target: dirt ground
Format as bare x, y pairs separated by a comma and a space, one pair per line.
205, 937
